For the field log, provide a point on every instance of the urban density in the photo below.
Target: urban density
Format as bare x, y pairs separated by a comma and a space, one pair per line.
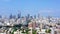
29, 24
29, 16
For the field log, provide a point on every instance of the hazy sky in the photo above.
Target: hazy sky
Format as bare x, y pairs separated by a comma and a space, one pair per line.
44, 7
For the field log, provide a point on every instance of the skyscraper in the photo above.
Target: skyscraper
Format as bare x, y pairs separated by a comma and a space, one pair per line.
28, 16
49, 18
35, 16
0, 16
14, 16
38, 15
10, 16
19, 15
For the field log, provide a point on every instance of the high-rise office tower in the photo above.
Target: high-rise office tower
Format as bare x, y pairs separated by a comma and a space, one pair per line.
0, 16
38, 15
19, 15
35, 16
28, 16
10, 16
14, 16
31, 17
49, 18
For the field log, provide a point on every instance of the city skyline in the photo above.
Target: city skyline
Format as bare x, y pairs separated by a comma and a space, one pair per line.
32, 7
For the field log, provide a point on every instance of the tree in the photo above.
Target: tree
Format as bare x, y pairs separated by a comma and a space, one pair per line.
34, 31
48, 30
15, 28
25, 30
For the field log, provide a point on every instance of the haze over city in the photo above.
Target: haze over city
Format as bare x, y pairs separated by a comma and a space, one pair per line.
29, 16
44, 7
